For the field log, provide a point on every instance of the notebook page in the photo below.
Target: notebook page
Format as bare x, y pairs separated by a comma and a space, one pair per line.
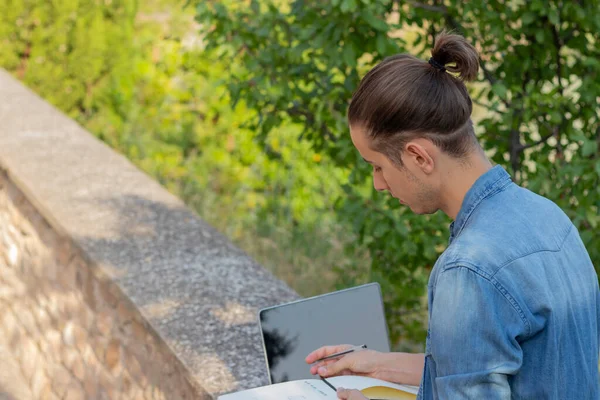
307, 389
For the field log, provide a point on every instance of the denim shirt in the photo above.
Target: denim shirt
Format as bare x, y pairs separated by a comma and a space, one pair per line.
514, 305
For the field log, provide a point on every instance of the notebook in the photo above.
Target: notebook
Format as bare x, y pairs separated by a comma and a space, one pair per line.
316, 389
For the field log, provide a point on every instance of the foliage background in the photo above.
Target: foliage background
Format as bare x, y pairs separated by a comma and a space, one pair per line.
238, 107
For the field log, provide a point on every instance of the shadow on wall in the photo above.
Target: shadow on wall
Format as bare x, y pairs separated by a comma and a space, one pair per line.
5, 396
201, 292
80, 333
12, 383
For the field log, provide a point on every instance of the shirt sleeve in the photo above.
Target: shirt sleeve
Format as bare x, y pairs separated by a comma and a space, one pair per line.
474, 326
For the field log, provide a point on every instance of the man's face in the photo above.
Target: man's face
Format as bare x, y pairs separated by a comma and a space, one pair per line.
407, 183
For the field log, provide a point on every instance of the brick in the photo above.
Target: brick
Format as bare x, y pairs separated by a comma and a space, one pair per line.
55, 307
136, 393
75, 336
27, 320
53, 340
99, 344
133, 365
30, 358
67, 334
140, 334
51, 270
104, 322
108, 387
158, 394
74, 392
112, 358
67, 276
64, 252
39, 383
126, 383
72, 300
9, 323
49, 395
60, 378
148, 392
69, 356
89, 283
42, 318
124, 312
89, 357
78, 369
90, 387
105, 294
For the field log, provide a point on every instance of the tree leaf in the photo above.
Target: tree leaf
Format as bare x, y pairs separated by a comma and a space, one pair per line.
528, 18
553, 16
349, 55
381, 44
588, 148
499, 89
348, 6
375, 22
539, 36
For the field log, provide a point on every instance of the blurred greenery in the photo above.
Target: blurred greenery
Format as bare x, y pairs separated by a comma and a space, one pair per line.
143, 82
241, 112
537, 100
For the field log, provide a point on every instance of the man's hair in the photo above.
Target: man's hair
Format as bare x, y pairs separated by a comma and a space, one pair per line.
403, 98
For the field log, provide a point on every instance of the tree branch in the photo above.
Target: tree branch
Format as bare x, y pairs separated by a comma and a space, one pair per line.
428, 7
296, 111
558, 44
537, 142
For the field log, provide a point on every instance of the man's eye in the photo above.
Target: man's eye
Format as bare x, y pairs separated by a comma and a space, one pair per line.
377, 169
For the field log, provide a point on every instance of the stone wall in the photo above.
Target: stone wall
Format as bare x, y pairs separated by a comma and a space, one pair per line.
110, 287
73, 333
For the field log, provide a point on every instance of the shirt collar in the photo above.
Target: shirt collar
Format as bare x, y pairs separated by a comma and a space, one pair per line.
486, 185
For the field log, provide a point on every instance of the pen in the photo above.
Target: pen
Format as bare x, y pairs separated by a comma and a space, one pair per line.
341, 353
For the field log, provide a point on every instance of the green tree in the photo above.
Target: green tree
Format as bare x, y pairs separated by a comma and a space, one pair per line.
537, 97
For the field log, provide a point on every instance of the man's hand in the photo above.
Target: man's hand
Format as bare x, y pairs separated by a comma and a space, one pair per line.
403, 368
346, 394
362, 362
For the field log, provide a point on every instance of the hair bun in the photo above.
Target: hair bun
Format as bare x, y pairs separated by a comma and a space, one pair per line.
461, 55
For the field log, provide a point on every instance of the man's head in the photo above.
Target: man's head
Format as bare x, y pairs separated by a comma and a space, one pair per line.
411, 120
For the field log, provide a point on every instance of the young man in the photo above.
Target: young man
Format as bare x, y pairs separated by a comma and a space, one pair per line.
514, 304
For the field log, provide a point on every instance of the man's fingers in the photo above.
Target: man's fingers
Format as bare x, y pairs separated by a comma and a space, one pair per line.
325, 351
335, 368
346, 394
343, 394
314, 368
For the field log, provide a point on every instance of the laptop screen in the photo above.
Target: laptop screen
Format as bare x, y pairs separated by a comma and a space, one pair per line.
291, 331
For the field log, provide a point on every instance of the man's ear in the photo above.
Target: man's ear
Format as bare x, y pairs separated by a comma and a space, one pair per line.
419, 155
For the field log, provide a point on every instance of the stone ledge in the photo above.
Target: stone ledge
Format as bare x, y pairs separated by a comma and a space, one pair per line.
197, 291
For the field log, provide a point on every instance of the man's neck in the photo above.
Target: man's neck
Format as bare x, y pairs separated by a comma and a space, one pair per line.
460, 178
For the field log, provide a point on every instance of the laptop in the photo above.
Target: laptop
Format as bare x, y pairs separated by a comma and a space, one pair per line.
291, 331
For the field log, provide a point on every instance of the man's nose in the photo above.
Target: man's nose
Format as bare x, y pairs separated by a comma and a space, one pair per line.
379, 184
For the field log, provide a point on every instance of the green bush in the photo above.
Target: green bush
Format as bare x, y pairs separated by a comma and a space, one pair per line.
68, 49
